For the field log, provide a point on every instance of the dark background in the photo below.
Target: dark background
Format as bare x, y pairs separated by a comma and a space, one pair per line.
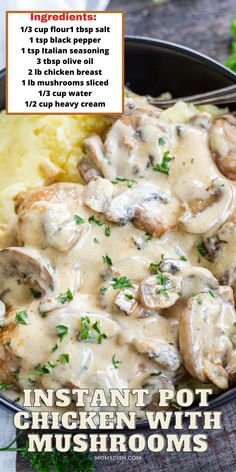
201, 25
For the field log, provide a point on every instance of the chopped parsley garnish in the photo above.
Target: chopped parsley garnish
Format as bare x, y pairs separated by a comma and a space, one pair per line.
148, 237
163, 166
44, 314
46, 369
35, 293
153, 267
128, 296
107, 231
121, 283
161, 141
7, 343
183, 258
199, 300
17, 400
62, 331
65, 297
101, 336
211, 293
22, 317
201, 249
64, 359
234, 324
5, 386
95, 240
86, 331
130, 182
54, 348
94, 219
154, 374
79, 220
116, 362
103, 290
107, 260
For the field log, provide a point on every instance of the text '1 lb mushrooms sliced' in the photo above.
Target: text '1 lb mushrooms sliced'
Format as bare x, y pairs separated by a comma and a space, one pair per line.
222, 140
21, 267
207, 215
204, 344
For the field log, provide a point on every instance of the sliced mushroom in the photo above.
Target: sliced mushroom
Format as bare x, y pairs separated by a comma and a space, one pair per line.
204, 344
159, 291
47, 217
197, 279
21, 269
208, 215
201, 120
60, 229
98, 193
149, 207
87, 169
222, 141
126, 300
136, 104
157, 218
172, 265
155, 383
162, 353
131, 141
95, 153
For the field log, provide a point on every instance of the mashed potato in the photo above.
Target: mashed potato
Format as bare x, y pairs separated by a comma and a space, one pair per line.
34, 150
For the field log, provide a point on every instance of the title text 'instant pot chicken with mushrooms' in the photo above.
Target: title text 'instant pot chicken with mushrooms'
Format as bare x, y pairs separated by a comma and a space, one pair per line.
127, 280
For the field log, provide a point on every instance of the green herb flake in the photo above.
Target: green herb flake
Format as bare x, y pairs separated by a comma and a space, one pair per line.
148, 237
46, 369
7, 344
101, 336
62, 331
35, 293
121, 283
234, 324
107, 231
64, 359
201, 249
22, 317
116, 362
212, 294
183, 258
79, 220
155, 374
85, 332
199, 300
16, 400
5, 386
54, 348
94, 219
102, 290
95, 240
65, 297
44, 314
163, 167
128, 296
130, 182
107, 260
161, 141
